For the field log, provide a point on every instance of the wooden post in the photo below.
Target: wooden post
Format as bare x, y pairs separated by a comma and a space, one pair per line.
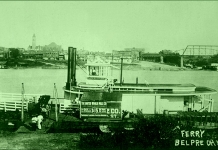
22, 111
136, 80
15, 106
56, 109
121, 71
4, 106
27, 103
211, 104
155, 104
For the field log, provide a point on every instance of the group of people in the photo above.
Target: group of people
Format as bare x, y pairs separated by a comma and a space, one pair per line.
45, 110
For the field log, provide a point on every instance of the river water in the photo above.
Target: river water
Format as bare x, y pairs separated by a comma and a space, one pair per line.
41, 81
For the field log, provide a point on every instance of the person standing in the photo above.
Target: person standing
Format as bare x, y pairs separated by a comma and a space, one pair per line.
48, 109
39, 122
94, 71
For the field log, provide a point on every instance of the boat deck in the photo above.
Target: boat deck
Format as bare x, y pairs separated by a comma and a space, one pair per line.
154, 85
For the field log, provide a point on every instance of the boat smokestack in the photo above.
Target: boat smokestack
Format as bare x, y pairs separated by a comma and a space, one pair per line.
73, 68
71, 71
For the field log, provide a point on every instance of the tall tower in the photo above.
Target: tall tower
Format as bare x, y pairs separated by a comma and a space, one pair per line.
34, 42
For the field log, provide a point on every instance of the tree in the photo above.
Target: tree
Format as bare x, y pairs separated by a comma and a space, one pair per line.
214, 59
14, 53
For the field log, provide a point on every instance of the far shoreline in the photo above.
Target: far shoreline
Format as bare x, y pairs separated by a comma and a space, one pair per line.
124, 68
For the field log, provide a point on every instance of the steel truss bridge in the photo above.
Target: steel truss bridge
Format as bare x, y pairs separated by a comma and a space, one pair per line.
199, 50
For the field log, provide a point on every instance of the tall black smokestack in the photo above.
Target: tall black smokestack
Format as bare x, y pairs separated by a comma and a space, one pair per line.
69, 68
73, 67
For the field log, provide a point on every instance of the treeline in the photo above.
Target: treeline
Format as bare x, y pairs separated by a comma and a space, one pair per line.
13, 62
173, 58
202, 61
199, 61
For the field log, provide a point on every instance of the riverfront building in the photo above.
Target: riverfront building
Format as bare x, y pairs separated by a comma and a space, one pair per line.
51, 51
34, 47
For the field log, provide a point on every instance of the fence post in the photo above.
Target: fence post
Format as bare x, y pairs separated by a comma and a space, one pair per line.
22, 98
212, 105
55, 94
27, 103
5, 106
15, 105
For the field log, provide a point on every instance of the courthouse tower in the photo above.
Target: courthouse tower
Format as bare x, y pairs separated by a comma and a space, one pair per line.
34, 42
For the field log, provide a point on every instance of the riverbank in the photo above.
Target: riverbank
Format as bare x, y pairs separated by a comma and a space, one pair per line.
62, 64
36, 141
143, 65
152, 66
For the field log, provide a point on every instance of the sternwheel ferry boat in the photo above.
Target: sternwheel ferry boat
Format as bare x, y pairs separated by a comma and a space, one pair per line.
101, 99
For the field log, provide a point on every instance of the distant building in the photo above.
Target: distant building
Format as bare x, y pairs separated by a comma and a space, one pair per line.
108, 56
129, 55
34, 46
155, 57
2, 52
52, 51
167, 52
126, 55
34, 42
50, 55
83, 54
30, 54
52, 47
135, 52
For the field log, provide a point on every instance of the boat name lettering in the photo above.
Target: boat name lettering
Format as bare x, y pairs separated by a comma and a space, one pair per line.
93, 103
101, 110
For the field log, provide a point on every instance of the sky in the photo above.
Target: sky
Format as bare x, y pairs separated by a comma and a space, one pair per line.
112, 25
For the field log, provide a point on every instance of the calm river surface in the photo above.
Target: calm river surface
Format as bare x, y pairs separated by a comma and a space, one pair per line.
41, 81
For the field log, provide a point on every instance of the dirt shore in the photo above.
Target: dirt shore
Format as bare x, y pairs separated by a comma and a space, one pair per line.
34, 141
145, 65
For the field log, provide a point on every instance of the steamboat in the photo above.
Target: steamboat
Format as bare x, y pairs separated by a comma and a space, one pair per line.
102, 100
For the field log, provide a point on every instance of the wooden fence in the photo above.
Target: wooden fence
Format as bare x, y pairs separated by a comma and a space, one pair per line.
13, 101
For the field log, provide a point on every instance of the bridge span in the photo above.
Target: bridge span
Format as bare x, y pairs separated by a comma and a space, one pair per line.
189, 51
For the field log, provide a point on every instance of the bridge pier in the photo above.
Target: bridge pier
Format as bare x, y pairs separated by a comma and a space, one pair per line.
181, 61
161, 59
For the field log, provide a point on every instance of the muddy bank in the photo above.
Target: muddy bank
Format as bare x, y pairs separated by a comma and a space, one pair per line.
39, 141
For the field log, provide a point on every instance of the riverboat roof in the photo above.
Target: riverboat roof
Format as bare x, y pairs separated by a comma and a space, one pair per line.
198, 91
164, 89
151, 89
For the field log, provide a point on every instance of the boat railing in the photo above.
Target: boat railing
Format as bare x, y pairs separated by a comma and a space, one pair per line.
201, 120
207, 120
68, 108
